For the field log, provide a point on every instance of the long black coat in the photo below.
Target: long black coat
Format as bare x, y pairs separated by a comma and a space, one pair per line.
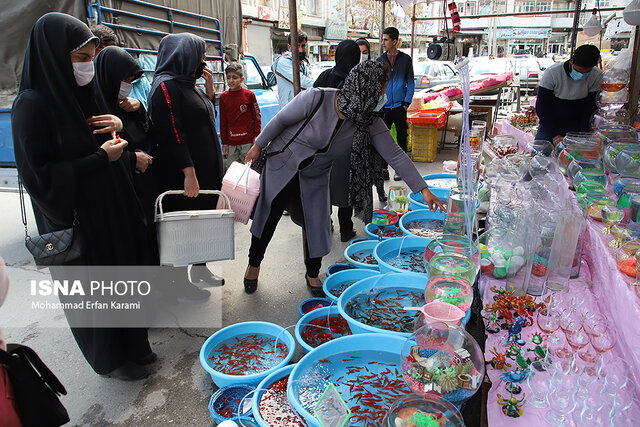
185, 137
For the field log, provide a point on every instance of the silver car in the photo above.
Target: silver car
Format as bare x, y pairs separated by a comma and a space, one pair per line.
428, 74
529, 72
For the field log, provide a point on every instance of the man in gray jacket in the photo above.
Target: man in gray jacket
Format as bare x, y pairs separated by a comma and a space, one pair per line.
283, 69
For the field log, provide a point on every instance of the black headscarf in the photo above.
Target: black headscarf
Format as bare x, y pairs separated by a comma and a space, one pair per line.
47, 70
356, 100
179, 56
113, 65
347, 57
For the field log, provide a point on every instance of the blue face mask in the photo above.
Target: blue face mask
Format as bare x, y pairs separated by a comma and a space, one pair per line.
381, 102
577, 75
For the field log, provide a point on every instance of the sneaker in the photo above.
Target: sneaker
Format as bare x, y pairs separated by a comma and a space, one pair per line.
191, 292
128, 372
201, 274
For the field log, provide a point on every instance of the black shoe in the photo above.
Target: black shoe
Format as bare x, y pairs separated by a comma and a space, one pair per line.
316, 291
191, 292
385, 174
285, 212
345, 237
397, 177
146, 360
250, 285
128, 372
382, 197
201, 274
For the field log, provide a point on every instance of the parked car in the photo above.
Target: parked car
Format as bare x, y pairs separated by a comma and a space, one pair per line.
545, 63
316, 68
483, 67
428, 74
529, 73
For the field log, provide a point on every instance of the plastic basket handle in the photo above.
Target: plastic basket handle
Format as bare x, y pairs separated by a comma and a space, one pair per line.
246, 181
159, 213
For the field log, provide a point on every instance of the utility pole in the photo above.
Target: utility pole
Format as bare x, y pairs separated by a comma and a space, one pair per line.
493, 39
293, 24
382, 14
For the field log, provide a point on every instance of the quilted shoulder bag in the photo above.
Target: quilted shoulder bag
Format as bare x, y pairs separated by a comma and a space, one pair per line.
55, 248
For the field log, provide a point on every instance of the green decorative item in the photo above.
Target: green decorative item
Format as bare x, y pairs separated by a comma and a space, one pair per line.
448, 381
421, 419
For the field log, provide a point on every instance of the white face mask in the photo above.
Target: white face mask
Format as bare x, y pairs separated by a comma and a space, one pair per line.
381, 102
83, 72
125, 90
363, 57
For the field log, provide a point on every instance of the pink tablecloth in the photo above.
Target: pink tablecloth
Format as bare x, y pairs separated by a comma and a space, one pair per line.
616, 299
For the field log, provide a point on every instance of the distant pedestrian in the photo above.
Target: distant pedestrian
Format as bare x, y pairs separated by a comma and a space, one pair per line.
283, 69
400, 88
240, 119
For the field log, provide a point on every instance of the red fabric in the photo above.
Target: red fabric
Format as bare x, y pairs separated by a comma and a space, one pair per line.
173, 120
8, 410
240, 119
392, 59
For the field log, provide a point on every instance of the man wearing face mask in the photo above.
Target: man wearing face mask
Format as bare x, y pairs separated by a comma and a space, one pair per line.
283, 69
567, 95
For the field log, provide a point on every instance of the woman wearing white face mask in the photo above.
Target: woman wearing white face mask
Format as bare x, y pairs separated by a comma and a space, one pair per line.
75, 176
115, 70
296, 176
365, 49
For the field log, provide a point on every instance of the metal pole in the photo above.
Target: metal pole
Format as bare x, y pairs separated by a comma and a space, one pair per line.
634, 80
576, 24
413, 29
384, 3
293, 24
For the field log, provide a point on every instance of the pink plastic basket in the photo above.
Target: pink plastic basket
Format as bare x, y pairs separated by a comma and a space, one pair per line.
437, 311
242, 185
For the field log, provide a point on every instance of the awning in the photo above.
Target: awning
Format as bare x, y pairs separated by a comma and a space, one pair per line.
315, 43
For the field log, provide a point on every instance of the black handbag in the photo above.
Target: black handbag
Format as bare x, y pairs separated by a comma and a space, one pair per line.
36, 388
258, 165
55, 248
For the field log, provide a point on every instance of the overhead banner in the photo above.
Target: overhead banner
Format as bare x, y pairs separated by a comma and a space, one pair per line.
523, 33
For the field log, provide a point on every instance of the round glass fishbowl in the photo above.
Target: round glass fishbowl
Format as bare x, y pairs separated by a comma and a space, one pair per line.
614, 80
452, 264
454, 291
417, 410
442, 360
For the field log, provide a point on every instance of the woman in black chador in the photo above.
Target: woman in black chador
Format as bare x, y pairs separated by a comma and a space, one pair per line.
188, 155
116, 70
71, 170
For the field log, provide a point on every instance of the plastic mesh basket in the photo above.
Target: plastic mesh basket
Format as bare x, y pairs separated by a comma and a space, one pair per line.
424, 142
191, 237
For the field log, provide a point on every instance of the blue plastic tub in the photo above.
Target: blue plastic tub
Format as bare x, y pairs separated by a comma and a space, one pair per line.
228, 397
335, 268
265, 384
406, 243
440, 192
420, 214
371, 229
304, 320
244, 328
368, 348
358, 247
306, 304
389, 280
339, 278
358, 239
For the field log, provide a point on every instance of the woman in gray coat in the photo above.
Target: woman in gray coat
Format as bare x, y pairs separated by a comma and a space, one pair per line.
296, 177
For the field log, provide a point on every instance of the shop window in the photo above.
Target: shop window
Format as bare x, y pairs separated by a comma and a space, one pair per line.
484, 7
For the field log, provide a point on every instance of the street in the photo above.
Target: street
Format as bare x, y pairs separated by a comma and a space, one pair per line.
179, 389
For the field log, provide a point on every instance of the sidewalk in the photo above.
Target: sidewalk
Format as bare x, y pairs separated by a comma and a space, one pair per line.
179, 389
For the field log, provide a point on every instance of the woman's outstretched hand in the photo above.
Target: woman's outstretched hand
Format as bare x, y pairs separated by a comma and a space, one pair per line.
432, 201
106, 123
253, 154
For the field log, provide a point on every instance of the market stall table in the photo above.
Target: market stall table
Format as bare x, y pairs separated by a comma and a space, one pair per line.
616, 298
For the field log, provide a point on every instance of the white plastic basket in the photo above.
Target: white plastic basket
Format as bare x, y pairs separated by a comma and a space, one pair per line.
242, 196
192, 237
